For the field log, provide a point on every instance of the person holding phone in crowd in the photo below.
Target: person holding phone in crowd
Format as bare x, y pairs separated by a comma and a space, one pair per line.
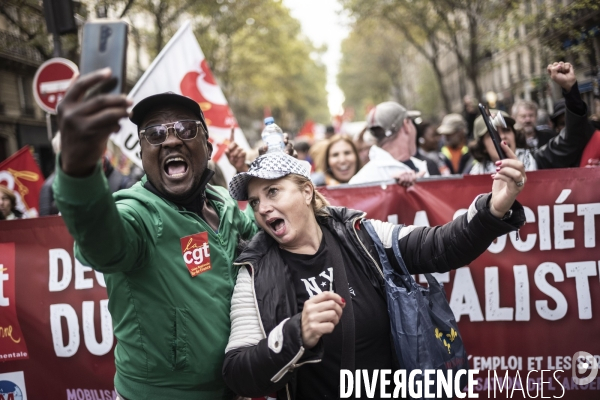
286, 307
165, 245
562, 151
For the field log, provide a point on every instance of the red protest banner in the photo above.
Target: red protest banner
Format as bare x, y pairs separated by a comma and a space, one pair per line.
525, 306
21, 174
13, 345
61, 307
527, 303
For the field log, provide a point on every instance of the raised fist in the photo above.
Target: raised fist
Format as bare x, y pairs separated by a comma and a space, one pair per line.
562, 73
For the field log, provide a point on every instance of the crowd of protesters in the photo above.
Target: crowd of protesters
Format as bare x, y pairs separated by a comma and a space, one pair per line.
403, 147
171, 248
397, 144
136, 235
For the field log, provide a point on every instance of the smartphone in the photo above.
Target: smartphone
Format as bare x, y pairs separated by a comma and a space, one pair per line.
105, 45
492, 131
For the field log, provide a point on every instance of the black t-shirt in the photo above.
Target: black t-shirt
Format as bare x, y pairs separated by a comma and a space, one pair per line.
313, 274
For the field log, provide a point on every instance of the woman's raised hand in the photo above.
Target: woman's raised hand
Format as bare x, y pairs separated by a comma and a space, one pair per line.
235, 154
320, 315
509, 180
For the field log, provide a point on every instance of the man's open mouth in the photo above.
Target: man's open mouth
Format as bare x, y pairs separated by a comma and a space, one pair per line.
175, 167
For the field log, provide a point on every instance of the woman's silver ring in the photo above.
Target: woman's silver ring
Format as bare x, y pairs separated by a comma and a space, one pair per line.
521, 183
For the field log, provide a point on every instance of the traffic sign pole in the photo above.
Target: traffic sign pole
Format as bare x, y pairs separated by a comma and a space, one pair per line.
49, 126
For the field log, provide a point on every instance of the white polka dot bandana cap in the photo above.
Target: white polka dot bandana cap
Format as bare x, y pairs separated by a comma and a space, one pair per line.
268, 166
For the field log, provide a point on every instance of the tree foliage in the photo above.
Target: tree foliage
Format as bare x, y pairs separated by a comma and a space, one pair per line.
371, 65
413, 22
26, 22
463, 28
568, 31
254, 47
379, 65
255, 50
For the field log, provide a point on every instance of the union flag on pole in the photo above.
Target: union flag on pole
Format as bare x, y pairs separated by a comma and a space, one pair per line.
21, 174
181, 68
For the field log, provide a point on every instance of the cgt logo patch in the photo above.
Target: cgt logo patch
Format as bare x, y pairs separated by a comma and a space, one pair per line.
196, 253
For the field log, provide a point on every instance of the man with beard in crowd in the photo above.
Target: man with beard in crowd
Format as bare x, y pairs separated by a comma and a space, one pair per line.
525, 114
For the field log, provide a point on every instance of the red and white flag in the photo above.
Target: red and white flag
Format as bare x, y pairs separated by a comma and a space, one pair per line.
181, 68
21, 174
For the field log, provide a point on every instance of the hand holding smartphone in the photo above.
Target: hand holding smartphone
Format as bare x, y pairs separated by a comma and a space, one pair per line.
105, 45
492, 130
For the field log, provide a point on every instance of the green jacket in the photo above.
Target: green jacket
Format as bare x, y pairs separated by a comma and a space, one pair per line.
171, 329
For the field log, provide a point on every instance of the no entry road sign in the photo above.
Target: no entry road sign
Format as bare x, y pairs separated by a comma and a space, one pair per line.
51, 82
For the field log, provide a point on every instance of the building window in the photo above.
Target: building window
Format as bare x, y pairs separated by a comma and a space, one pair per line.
3, 148
531, 61
25, 85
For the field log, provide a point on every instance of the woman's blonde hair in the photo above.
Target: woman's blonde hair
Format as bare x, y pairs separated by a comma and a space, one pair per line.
319, 203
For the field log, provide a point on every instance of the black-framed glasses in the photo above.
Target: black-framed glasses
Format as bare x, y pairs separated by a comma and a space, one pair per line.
184, 130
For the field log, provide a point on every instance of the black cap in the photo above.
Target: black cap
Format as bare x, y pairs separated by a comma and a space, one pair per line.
142, 108
559, 109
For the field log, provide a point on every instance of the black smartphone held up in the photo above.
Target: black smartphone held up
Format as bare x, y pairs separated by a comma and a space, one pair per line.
105, 45
492, 131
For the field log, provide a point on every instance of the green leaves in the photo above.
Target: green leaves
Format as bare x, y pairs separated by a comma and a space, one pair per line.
255, 50
258, 55
371, 67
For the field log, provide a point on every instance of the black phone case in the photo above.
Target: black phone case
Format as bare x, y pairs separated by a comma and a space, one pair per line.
105, 45
492, 131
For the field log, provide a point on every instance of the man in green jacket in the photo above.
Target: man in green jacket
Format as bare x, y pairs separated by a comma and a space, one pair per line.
166, 245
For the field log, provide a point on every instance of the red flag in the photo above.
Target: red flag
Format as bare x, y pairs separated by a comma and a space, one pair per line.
267, 112
307, 131
199, 86
21, 174
591, 153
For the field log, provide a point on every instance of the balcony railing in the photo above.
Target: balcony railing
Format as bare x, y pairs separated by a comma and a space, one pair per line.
14, 47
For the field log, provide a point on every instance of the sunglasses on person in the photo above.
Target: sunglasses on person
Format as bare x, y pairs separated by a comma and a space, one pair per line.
184, 130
